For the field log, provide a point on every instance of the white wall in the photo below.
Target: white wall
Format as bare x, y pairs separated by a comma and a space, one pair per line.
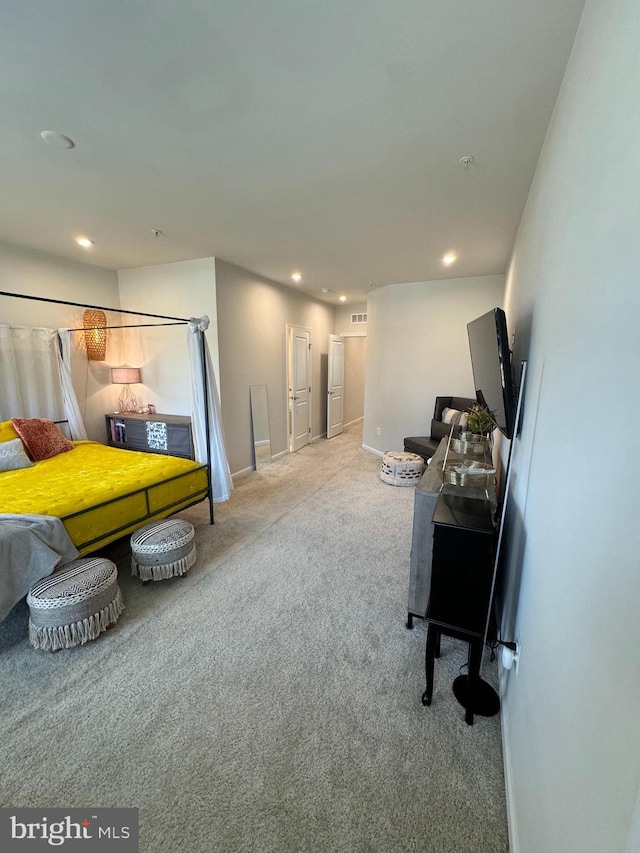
253, 315
417, 349
571, 712
183, 289
344, 326
40, 274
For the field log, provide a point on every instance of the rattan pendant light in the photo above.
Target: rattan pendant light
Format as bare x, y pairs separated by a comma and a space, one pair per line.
95, 334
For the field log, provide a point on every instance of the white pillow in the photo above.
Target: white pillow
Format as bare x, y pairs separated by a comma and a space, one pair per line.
13, 456
454, 416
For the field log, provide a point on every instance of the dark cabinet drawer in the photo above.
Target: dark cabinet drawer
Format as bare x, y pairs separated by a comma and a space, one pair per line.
179, 440
136, 435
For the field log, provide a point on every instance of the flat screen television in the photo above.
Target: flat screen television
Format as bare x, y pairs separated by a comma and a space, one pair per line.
491, 362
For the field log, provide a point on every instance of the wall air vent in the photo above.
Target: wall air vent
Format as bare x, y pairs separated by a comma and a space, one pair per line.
358, 318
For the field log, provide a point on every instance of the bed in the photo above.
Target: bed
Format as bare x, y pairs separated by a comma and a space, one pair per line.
100, 493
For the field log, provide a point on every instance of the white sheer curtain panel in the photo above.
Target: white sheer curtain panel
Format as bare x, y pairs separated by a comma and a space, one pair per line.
221, 483
69, 400
29, 374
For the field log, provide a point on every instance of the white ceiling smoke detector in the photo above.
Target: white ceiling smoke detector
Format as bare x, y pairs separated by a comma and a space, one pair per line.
466, 161
57, 140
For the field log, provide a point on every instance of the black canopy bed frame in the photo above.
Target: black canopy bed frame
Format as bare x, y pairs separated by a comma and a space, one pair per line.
171, 321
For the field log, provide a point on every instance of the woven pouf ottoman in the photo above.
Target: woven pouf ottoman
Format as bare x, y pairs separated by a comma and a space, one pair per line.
401, 469
74, 605
163, 549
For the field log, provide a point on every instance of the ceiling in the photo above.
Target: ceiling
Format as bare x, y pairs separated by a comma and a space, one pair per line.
323, 137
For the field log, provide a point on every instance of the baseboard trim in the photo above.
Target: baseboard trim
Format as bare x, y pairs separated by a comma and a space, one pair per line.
278, 455
318, 437
243, 472
512, 822
351, 423
372, 450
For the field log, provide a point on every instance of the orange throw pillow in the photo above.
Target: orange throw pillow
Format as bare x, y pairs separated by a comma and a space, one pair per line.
41, 437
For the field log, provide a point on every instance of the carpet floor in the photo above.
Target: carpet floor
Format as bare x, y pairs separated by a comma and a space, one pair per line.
270, 699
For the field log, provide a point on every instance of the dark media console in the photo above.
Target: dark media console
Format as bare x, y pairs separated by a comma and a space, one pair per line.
460, 591
451, 577
426, 496
455, 542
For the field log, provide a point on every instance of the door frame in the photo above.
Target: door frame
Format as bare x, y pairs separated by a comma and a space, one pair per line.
289, 331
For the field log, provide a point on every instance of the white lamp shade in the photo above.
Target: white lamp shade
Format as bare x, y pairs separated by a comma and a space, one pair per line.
125, 375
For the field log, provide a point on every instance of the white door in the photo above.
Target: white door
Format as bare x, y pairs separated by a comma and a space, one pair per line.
335, 386
300, 387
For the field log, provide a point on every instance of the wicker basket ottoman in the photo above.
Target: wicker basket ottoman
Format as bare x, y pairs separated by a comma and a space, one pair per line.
400, 468
74, 605
163, 549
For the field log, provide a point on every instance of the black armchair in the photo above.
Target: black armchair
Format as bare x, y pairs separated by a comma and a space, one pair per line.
426, 446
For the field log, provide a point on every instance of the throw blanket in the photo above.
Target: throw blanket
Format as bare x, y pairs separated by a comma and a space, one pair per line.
31, 546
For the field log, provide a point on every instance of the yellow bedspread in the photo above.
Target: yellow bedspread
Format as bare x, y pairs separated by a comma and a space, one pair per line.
102, 493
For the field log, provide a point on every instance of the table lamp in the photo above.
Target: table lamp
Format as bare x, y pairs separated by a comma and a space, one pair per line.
126, 376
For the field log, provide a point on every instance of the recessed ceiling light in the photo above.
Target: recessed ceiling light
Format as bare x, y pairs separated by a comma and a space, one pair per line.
449, 258
296, 276
343, 298
85, 242
325, 290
